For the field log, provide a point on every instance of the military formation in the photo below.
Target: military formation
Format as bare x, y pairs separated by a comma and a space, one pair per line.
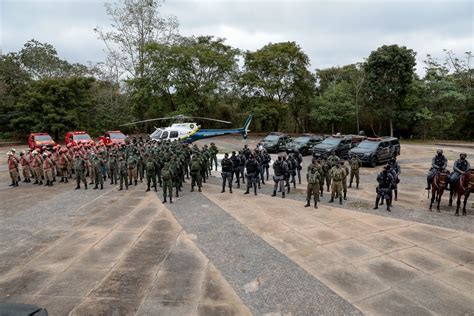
169, 164
164, 164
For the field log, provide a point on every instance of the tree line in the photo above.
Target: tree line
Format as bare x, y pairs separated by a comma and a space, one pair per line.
152, 71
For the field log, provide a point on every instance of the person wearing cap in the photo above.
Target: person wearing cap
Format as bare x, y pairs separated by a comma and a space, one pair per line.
355, 164
48, 169
167, 178
345, 166
252, 174
12, 169
280, 168
122, 169
195, 172
384, 189
25, 166
460, 167
37, 166
333, 159
227, 170
62, 165
337, 175
79, 169
236, 167
213, 150
313, 177
438, 163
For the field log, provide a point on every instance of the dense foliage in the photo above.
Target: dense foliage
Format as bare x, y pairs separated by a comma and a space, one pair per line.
151, 71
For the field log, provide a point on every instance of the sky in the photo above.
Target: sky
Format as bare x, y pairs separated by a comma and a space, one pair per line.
332, 33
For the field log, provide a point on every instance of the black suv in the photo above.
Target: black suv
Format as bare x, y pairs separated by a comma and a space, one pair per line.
303, 144
341, 145
275, 142
373, 151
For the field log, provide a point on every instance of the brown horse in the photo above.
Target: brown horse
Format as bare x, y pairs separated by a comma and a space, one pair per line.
464, 186
438, 185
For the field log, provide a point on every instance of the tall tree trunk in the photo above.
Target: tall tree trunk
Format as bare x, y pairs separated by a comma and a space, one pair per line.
332, 128
391, 127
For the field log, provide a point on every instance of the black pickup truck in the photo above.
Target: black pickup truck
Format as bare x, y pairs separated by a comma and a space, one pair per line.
341, 145
376, 150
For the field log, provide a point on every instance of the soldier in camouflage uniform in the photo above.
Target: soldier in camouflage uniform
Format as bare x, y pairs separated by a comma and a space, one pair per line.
150, 167
355, 164
79, 168
195, 173
167, 178
132, 163
337, 174
313, 177
214, 152
344, 179
122, 172
113, 165
98, 165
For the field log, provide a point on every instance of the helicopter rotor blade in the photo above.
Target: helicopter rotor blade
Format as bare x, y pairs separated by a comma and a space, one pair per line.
149, 120
208, 119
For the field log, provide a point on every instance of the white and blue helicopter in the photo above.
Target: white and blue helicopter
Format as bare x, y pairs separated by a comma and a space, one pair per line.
191, 132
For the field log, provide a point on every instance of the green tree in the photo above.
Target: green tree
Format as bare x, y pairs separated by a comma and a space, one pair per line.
335, 106
272, 75
389, 73
55, 105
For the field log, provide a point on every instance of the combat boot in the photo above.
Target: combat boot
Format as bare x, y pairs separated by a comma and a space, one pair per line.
36, 181
78, 187
254, 190
47, 183
156, 190
247, 192
85, 186
147, 189
376, 203
331, 200
274, 193
66, 180
101, 186
230, 190
120, 189
50, 183
12, 184
192, 188
350, 185
340, 200
41, 182
307, 203
96, 186
199, 189
357, 186
15, 183
315, 203
283, 195
171, 199
135, 182
345, 197
164, 200
130, 182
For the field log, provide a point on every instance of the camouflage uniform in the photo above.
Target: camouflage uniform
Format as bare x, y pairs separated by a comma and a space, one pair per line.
337, 174
313, 177
355, 164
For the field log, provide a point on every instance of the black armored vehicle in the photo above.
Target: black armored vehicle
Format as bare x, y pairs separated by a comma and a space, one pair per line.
303, 144
373, 151
275, 142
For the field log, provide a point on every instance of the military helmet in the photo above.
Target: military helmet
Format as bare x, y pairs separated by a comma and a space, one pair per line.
439, 151
463, 154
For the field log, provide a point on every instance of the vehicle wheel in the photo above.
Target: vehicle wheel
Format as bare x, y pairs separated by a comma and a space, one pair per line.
373, 162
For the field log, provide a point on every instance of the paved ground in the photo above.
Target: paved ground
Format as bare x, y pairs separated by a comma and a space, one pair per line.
104, 252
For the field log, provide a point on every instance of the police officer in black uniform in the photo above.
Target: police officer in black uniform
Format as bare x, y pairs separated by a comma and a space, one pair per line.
227, 170
438, 163
252, 173
461, 165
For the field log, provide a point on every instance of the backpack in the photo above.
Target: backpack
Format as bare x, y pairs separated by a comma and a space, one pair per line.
166, 174
195, 166
313, 177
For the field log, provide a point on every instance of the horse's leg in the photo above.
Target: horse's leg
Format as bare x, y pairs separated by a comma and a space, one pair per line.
451, 192
458, 204
466, 196
433, 197
440, 194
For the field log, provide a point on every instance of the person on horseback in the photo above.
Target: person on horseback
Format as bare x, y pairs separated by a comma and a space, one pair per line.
460, 167
438, 163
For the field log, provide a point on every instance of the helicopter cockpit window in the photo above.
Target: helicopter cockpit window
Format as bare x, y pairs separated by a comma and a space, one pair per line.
173, 134
164, 135
157, 134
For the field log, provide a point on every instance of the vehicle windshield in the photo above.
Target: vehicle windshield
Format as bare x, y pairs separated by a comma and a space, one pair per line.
368, 144
271, 138
301, 140
81, 137
331, 141
156, 134
117, 135
43, 138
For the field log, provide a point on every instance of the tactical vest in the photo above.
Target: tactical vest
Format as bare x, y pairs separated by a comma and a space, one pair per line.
313, 177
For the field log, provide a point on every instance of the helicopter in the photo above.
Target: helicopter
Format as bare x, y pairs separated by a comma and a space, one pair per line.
191, 132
